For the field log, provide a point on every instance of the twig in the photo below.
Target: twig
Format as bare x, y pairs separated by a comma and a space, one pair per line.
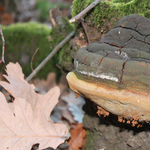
37, 69
52, 19
33, 57
80, 15
3, 46
88, 39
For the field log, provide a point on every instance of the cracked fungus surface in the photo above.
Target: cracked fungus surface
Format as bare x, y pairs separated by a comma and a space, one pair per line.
115, 73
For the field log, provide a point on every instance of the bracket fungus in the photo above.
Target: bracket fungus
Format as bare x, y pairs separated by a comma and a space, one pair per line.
115, 73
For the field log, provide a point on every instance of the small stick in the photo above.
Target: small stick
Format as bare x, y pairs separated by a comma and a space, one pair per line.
33, 57
52, 19
37, 69
3, 46
80, 15
88, 39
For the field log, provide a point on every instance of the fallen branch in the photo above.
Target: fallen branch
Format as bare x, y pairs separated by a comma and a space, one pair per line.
40, 66
80, 15
3, 46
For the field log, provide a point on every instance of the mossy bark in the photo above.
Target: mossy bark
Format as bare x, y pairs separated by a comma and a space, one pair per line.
104, 16
98, 22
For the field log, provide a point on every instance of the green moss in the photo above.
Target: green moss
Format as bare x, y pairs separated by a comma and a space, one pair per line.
121, 1
112, 9
26, 38
79, 5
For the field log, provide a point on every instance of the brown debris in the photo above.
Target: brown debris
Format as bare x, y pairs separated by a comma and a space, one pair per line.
76, 95
101, 111
133, 121
128, 121
139, 125
120, 119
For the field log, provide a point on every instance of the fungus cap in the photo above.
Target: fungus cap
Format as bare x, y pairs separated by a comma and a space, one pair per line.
115, 73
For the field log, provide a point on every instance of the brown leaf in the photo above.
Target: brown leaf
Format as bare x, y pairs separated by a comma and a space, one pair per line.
29, 122
78, 135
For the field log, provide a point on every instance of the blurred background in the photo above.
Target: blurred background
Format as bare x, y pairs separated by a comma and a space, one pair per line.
27, 26
12, 11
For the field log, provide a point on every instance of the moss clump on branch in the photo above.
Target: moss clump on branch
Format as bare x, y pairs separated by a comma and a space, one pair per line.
23, 39
104, 15
112, 9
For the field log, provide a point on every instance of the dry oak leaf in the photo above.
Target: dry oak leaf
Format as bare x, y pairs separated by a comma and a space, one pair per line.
28, 122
